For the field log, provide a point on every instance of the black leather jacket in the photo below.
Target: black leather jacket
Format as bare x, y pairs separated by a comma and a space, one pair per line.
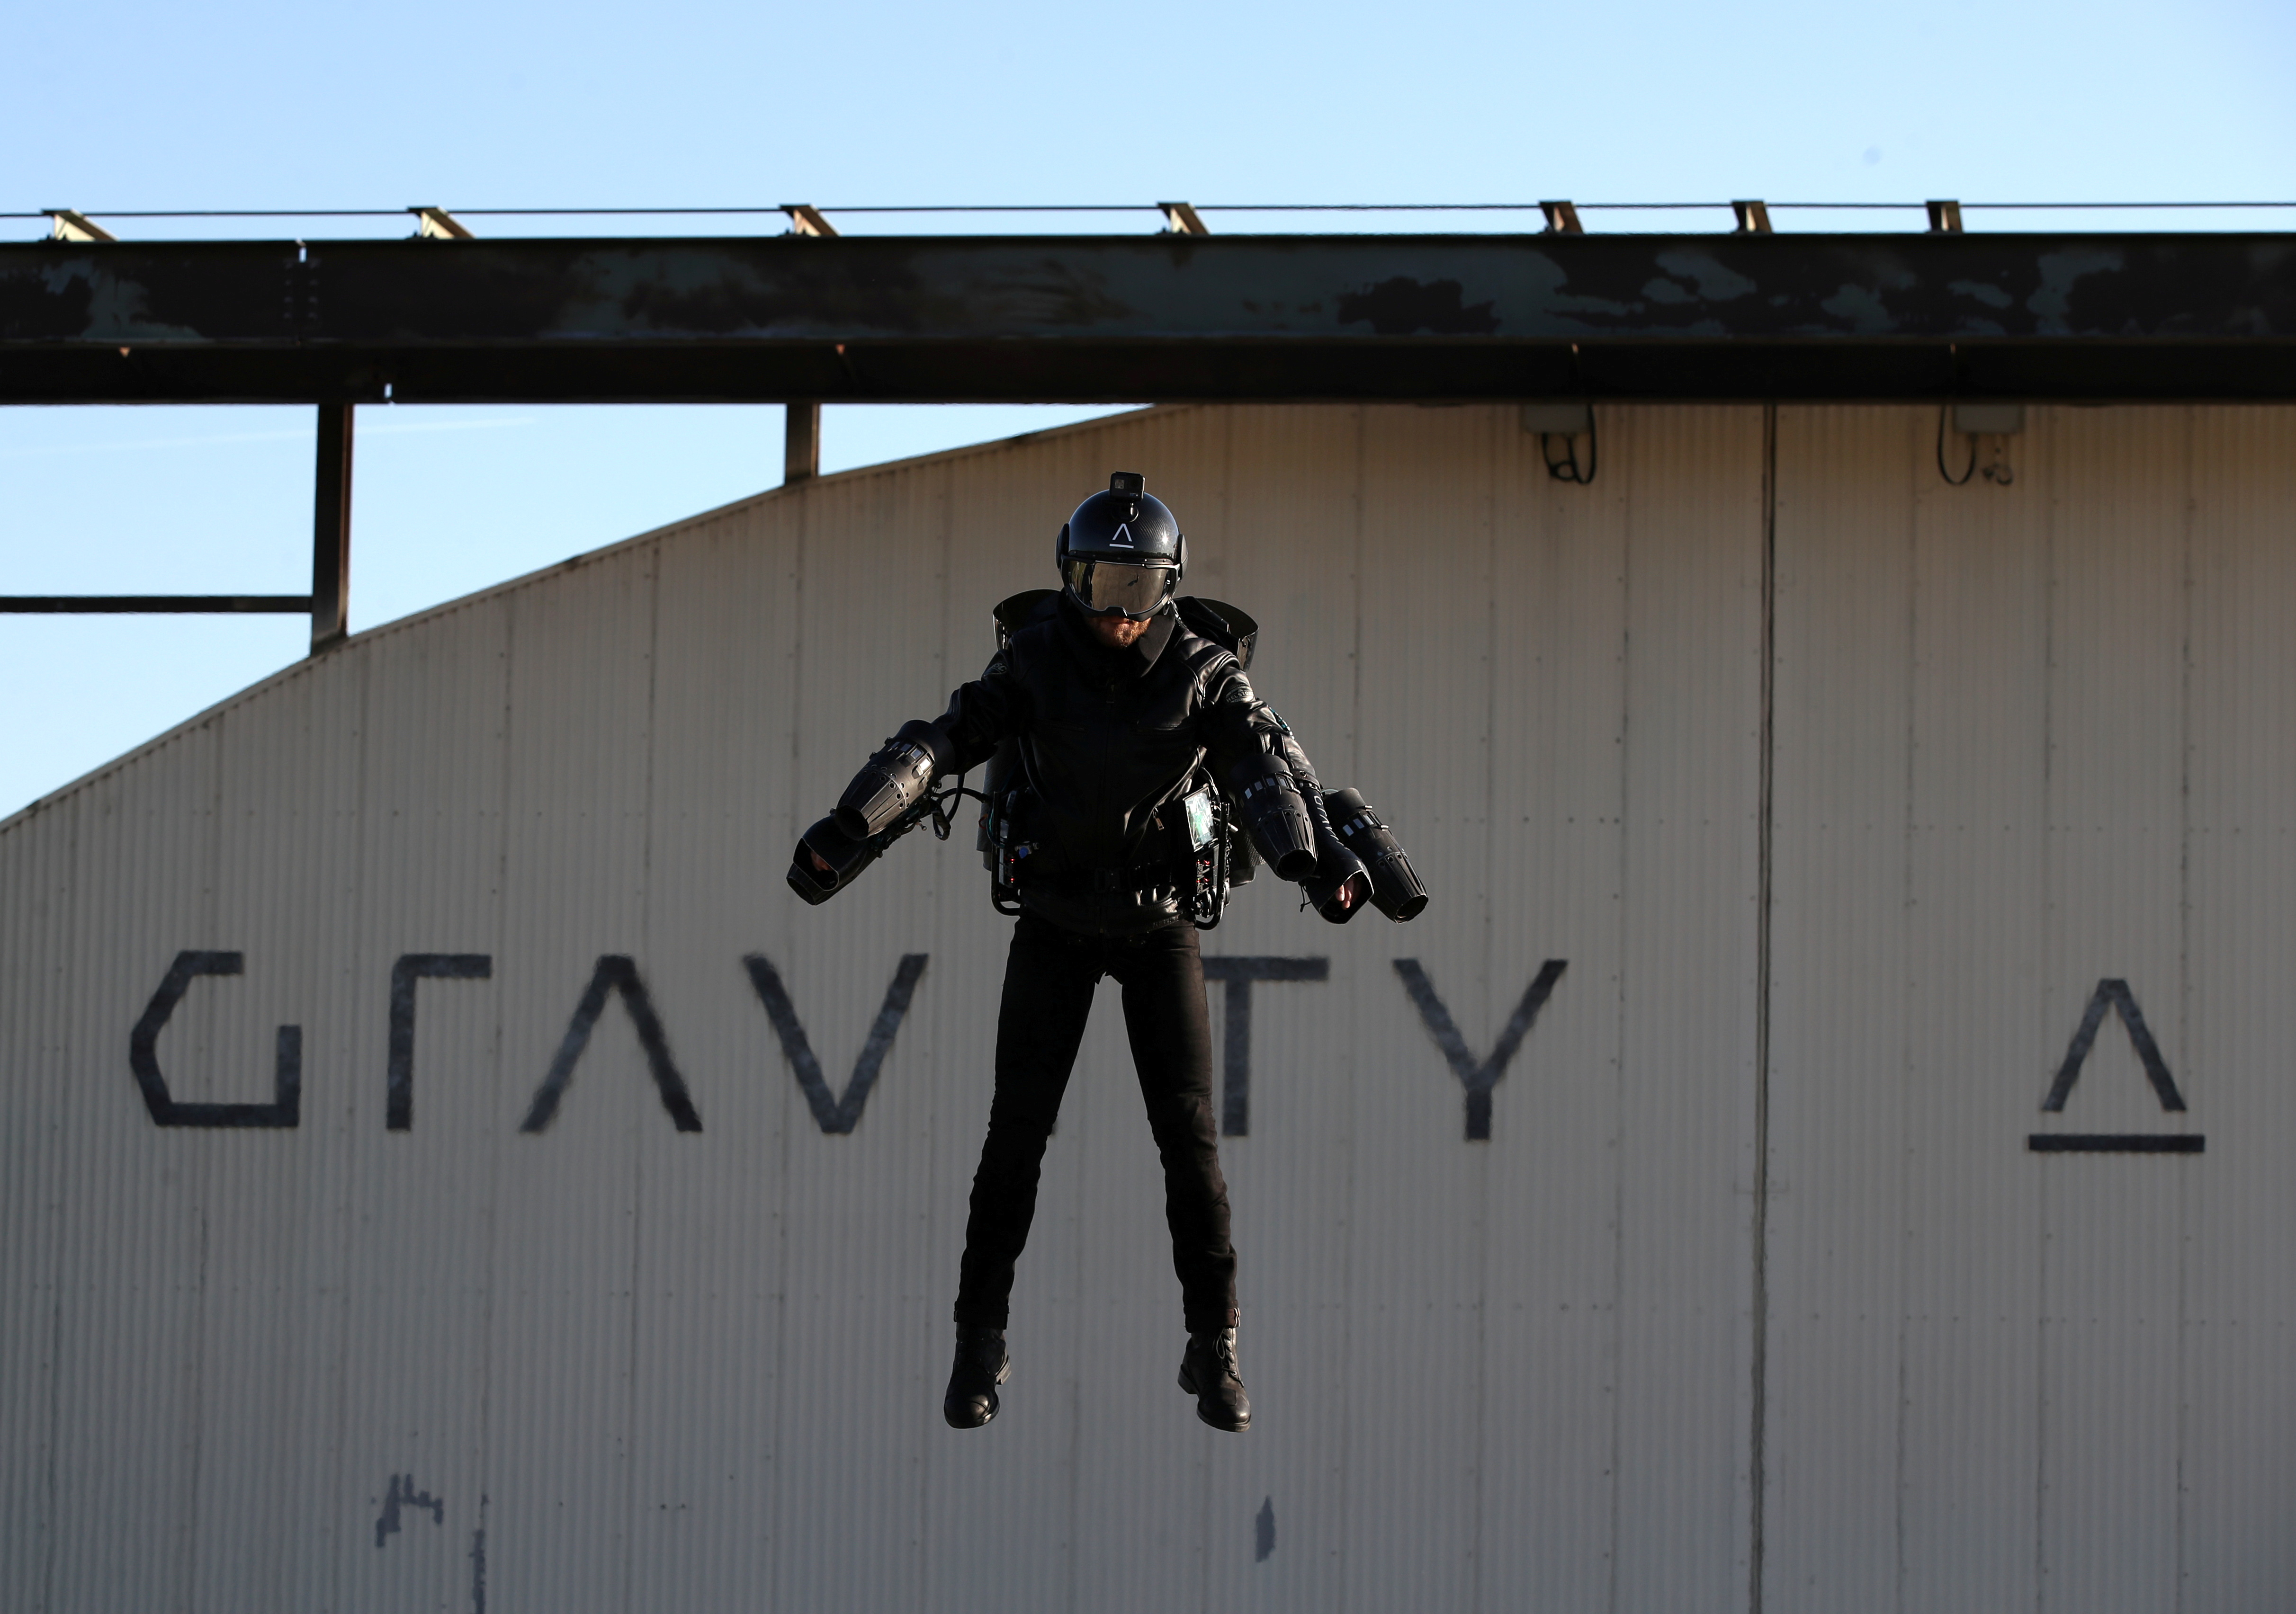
1109, 739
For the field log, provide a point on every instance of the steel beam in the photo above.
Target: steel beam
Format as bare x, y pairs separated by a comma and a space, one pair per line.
146, 605
330, 528
1156, 318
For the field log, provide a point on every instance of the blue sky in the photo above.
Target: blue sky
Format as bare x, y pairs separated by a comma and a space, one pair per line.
118, 106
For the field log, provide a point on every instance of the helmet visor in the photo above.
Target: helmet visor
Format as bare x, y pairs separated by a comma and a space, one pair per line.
1106, 587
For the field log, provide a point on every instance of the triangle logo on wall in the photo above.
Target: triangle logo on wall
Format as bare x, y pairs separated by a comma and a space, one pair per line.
2113, 996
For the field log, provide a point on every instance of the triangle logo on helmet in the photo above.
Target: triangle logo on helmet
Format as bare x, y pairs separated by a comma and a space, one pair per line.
1123, 538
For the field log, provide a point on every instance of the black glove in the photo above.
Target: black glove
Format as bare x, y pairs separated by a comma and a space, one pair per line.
1341, 885
845, 856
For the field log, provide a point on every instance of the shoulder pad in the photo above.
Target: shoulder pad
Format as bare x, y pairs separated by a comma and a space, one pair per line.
1230, 627
1206, 662
1016, 611
1203, 656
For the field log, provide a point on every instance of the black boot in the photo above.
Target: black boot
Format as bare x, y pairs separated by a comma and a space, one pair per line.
1209, 1373
981, 1365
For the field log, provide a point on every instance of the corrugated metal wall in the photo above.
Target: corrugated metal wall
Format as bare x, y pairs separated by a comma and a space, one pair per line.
2023, 738
2030, 738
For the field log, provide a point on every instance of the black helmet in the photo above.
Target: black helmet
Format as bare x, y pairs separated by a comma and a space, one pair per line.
1122, 552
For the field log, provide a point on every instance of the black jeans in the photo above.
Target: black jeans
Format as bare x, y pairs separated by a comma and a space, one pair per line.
1048, 987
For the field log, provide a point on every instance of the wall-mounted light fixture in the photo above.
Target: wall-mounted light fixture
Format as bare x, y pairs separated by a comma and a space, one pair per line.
1988, 419
1564, 422
1989, 427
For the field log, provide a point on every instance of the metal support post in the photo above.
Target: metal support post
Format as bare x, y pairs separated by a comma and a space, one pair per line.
1181, 219
331, 529
65, 225
437, 223
801, 445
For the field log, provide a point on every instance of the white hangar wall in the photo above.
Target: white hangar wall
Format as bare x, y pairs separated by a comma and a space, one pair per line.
2024, 739
2030, 739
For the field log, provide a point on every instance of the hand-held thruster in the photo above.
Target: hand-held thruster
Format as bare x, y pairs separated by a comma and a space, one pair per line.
1275, 816
893, 781
890, 796
1395, 887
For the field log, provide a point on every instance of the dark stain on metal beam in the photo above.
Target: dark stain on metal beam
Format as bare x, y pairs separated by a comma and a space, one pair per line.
1404, 307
